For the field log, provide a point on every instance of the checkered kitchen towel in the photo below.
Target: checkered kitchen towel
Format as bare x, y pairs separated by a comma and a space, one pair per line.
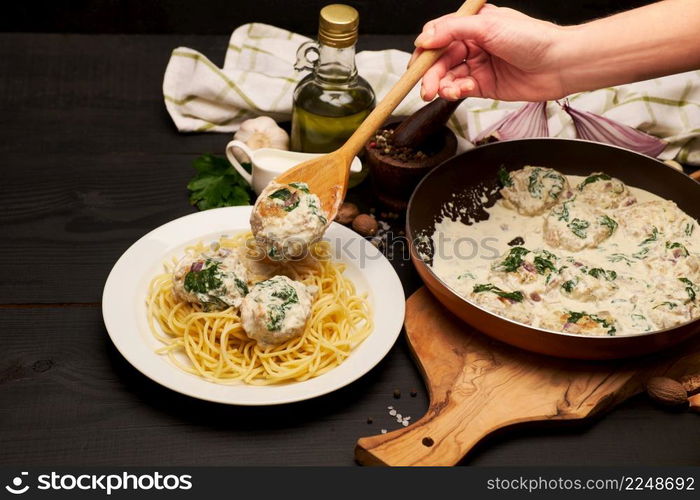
258, 78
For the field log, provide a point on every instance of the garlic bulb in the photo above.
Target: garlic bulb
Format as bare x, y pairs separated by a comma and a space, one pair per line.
262, 132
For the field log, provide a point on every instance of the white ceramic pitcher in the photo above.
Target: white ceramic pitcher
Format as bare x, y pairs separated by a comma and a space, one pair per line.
268, 163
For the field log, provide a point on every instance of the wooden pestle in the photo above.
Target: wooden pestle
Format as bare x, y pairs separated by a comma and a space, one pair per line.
424, 123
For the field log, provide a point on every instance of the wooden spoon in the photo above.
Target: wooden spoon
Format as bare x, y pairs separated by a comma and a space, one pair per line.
327, 176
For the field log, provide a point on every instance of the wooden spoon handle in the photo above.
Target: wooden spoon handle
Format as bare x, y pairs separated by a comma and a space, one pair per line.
407, 81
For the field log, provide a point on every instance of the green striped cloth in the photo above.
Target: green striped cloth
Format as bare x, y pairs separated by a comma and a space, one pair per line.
258, 78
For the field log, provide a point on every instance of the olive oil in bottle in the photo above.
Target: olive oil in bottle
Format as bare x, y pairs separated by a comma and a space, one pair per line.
331, 101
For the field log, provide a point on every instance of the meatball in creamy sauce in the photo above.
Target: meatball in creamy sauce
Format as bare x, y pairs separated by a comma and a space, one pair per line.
286, 219
273, 307
574, 225
276, 310
532, 190
601, 258
215, 281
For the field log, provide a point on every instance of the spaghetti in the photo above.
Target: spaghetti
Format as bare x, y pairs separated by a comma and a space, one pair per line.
218, 348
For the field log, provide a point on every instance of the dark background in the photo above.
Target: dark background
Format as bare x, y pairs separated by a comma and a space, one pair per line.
90, 161
209, 17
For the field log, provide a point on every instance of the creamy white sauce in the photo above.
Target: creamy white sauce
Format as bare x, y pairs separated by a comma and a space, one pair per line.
276, 162
647, 274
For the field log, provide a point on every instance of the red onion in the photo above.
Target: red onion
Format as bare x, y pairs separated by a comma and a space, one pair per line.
529, 267
600, 129
197, 266
528, 121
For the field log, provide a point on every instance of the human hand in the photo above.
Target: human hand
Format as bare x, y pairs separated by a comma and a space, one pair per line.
499, 53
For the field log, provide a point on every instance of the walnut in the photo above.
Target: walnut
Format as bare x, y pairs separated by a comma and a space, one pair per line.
691, 383
667, 392
365, 224
347, 213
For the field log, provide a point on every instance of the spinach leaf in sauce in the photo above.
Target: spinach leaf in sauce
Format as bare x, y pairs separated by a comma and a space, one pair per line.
671, 245
204, 280
617, 257
563, 212
670, 305
488, 287
641, 254
301, 186
690, 289
290, 200
275, 316
578, 227
598, 272
536, 183
557, 184
575, 317
653, 236
504, 177
276, 312
606, 221
513, 260
281, 194
568, 286
544, 263
241, 285
287, 294
593, 178
315, 210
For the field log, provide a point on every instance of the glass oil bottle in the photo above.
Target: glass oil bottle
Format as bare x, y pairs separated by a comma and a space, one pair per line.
332, 100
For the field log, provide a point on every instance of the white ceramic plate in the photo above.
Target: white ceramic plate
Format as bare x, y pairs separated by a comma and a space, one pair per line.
124, 308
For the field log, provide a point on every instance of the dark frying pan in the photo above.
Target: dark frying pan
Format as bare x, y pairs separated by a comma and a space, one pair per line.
469, 172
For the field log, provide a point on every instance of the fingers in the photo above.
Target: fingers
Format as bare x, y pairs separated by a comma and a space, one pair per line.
446, 30
454, 54
457, 83
431, 24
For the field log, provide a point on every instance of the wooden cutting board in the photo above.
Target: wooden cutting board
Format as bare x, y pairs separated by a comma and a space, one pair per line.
478, 385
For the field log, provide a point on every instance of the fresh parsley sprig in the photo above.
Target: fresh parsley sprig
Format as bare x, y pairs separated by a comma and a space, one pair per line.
217, 184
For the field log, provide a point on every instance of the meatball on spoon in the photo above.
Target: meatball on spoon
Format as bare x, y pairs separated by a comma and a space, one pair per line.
327, 176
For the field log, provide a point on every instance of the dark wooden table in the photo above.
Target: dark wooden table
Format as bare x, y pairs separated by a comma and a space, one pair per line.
91, 162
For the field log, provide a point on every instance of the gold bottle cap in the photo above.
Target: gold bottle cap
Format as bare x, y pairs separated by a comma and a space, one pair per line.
337, 26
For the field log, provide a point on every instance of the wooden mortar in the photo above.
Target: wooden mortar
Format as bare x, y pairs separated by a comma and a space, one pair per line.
394, 180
